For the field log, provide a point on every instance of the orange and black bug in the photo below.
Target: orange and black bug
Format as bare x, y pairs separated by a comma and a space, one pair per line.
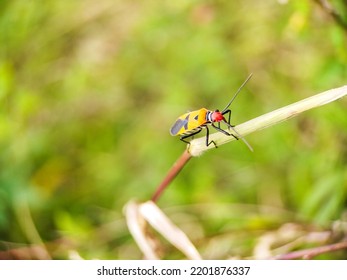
193, 122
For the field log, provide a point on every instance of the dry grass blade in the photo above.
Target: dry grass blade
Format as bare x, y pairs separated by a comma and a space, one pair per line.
158, 220
198, 146
137, 227
137, 216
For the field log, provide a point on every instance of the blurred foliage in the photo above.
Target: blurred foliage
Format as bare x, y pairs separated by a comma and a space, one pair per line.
89, 90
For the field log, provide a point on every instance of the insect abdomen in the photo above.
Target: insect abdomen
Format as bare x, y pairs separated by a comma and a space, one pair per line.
192, 131
189, 122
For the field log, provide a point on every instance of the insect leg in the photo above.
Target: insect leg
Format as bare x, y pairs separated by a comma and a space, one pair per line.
228, 112
225, 132
236, 137
183, 137
230, 125
207, 137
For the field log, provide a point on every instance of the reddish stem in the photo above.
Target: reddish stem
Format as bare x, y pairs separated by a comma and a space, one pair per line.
310, 253
175, 169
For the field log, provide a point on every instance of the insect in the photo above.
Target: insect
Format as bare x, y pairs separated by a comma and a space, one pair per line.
192, 123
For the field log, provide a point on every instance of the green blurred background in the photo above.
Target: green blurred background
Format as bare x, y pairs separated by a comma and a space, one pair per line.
89, 90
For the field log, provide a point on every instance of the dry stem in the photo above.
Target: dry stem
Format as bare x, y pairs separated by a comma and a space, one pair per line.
198, 146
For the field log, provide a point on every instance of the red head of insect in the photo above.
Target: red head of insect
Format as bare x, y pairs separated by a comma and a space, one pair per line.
217, 116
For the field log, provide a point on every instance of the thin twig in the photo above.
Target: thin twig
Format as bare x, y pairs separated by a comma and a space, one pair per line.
175, 169
333, 13
311, 253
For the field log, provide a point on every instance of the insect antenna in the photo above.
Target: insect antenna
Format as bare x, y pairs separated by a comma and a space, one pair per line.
243, 139
239, 136
237, 92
